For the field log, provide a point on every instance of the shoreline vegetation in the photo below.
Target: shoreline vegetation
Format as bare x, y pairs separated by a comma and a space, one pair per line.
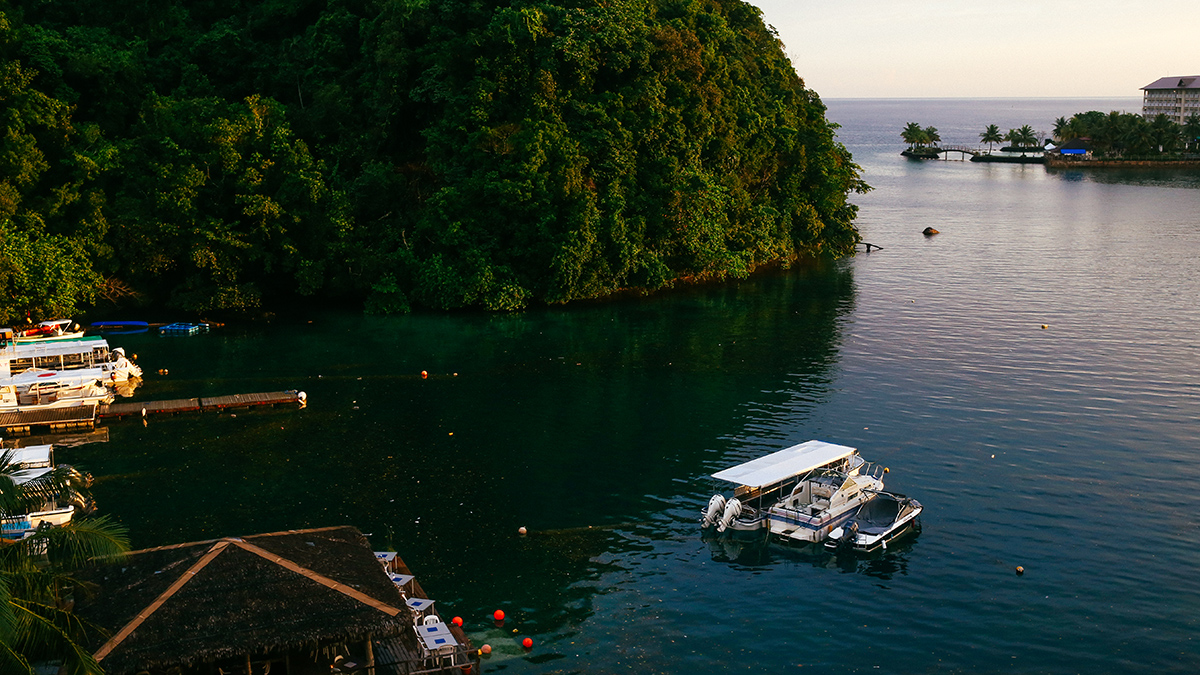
228, 158
1086, 140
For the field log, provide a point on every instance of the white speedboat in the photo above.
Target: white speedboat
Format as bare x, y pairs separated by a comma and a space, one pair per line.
58, 329
34, 463
799, 493
879, 521
37, 389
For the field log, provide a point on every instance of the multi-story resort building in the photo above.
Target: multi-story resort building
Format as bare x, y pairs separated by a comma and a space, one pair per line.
1175, 97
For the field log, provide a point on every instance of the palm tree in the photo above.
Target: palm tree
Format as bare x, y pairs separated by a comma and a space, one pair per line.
1025, 137
1191, 129
1060, 128
911, 134
931, 136
37, 585
991, 135
1165, 133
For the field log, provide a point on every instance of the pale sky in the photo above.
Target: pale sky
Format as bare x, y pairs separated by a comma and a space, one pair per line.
1001, 48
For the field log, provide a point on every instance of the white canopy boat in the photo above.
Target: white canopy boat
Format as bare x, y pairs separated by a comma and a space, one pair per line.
37, 389
799, 493
30, 464
17, 356
887, 517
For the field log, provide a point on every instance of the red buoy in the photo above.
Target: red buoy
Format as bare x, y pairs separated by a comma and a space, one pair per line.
424, 375
486, 649
457, 621
498, 615
527, 643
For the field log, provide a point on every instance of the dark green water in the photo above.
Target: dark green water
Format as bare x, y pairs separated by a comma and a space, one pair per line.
1070, 450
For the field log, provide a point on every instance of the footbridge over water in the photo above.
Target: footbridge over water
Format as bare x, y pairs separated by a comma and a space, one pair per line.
962, 151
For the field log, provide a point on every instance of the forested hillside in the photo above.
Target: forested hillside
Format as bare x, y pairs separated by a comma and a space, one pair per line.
239, 154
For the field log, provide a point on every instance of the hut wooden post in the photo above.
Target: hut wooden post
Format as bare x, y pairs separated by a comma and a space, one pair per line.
248, 671
370, 658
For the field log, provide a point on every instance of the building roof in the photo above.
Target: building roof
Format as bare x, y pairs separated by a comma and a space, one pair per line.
210, 600
1175, 82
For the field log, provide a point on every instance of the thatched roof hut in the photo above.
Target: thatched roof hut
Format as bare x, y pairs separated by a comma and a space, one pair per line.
266, 597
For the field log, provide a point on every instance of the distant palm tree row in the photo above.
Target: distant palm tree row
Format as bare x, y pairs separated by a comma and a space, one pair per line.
1114, 134
1118, 134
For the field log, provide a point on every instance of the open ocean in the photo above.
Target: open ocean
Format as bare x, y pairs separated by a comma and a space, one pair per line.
1070, 450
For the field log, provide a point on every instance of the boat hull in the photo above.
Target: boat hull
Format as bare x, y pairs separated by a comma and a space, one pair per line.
877, 538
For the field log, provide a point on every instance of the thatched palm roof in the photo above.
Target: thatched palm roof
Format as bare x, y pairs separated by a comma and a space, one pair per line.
210, 600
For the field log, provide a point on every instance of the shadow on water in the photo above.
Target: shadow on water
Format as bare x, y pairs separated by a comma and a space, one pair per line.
764, 552
570, 421
1146, 177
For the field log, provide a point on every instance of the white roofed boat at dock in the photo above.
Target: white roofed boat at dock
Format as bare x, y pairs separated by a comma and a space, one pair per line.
37, 389
29, 464
799, 493
17, 356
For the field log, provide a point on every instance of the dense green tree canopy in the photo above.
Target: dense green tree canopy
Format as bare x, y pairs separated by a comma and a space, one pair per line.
230, 154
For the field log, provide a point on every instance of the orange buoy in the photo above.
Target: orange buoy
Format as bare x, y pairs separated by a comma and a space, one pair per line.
527, 643
486, 649
522, 530
498, 615
457, 621
424, 375
1020, 570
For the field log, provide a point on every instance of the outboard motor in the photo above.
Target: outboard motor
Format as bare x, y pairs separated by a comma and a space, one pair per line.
849, 534
733, 509
715, 506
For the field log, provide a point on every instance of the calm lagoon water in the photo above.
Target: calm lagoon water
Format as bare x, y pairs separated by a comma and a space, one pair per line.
1070, 450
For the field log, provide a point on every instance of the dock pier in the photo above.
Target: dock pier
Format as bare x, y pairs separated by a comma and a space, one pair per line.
23, 422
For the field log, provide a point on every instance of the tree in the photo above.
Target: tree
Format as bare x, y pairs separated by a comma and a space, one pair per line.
1191, 130
931, 136
1165, 133
1060, 128
912, 134
991, 135
36, 575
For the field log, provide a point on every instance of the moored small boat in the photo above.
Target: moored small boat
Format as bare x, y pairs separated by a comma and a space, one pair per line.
30, 469
58, 329
887, 517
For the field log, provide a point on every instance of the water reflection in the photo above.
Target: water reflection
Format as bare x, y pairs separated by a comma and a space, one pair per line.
763, 552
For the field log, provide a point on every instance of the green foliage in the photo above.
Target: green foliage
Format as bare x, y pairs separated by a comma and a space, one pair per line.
1127, 135
450, 154
37, 575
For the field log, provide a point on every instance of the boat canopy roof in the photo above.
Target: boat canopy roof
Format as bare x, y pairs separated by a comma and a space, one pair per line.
58, 347
31, 457
26, 475
784, 464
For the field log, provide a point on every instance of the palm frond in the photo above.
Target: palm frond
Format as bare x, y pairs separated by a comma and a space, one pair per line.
84, 540
13, 662
48, 632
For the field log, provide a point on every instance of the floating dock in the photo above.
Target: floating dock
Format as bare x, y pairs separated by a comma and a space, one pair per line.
53, 419
213, 404
87, 416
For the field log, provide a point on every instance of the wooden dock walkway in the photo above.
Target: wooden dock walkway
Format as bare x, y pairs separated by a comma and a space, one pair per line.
216, 403
23, 422
53, 419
